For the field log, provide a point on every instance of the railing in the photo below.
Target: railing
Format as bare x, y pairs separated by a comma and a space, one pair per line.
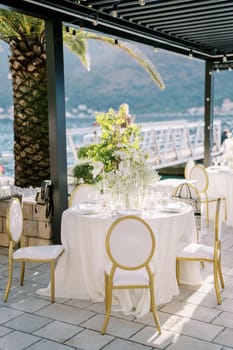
165, 143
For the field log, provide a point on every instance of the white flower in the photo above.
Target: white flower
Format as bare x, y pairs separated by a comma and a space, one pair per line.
97, 168
133, 175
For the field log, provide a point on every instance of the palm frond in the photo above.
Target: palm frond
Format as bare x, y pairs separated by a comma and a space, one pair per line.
132, 51
19, 26
78, 45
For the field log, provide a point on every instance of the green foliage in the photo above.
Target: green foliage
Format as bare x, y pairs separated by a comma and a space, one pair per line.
117, 134
83, 172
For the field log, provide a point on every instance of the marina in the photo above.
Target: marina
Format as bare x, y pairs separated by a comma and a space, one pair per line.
166, 143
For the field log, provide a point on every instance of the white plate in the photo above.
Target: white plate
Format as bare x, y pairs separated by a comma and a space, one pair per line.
87, 208
172, 206
129, 212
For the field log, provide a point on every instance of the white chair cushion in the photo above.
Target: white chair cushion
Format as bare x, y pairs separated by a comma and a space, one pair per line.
195, 251
210, 197
45, 252
126, 277
214, 198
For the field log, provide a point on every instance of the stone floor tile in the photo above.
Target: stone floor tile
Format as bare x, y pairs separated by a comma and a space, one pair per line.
90, 340
121, 344
65, 313
225, 338
184, 343
17, 340
197, 329
58, 331
100, 308
191, 311
82, 304
201, 299
45, 344
28, 323
3, 269
4, 331
226, 305
30, 304
184, 293
7, 314
116, 326
225, 319
166, 320
30, 289
150, 337
229, 272
227, 258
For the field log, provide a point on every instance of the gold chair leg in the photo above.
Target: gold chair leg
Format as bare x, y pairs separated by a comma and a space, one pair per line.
220, 275
216, 285
9, 281
207, 213
178, 271
225, 206
106, 290
22, 272
52, 279
108, 308
153, 307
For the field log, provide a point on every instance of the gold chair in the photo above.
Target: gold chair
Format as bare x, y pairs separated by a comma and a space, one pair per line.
188, 166
206, 253
189, 194
49, 253
130, 246
200, 175
82, 193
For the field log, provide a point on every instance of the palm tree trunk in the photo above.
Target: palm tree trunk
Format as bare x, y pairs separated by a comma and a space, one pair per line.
31, 141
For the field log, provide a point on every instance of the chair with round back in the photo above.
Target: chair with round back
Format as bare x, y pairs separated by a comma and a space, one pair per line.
200, 175
188, 166
130, 246
82, 193
189, 194
205, 253
49, 253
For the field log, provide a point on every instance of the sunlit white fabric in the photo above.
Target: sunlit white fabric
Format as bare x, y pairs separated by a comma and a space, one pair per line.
127, 237
221, 185
15, 217
45, 252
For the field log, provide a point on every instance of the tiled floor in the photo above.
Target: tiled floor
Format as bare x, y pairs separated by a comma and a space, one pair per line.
191, 321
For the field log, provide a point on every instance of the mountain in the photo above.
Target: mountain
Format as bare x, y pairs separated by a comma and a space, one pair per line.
115, 78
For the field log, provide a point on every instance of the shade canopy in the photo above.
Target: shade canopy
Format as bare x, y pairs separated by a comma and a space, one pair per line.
203, 29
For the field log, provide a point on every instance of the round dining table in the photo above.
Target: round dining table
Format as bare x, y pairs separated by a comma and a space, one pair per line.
80, 270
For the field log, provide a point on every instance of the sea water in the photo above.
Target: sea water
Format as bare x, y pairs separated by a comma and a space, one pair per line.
7, 135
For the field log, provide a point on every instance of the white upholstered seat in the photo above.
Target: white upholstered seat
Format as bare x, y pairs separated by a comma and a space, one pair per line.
46, 253
200, 175
205, 253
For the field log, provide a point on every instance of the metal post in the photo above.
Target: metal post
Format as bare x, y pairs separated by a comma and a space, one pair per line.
209, 99
57, 124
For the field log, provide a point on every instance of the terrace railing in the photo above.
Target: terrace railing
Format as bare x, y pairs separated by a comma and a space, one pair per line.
166, 143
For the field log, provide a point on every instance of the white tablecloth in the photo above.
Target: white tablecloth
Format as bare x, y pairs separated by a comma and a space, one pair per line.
80, 270
167, 186
221, 184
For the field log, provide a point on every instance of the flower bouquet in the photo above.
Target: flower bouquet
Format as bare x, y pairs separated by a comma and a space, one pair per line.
128, 184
